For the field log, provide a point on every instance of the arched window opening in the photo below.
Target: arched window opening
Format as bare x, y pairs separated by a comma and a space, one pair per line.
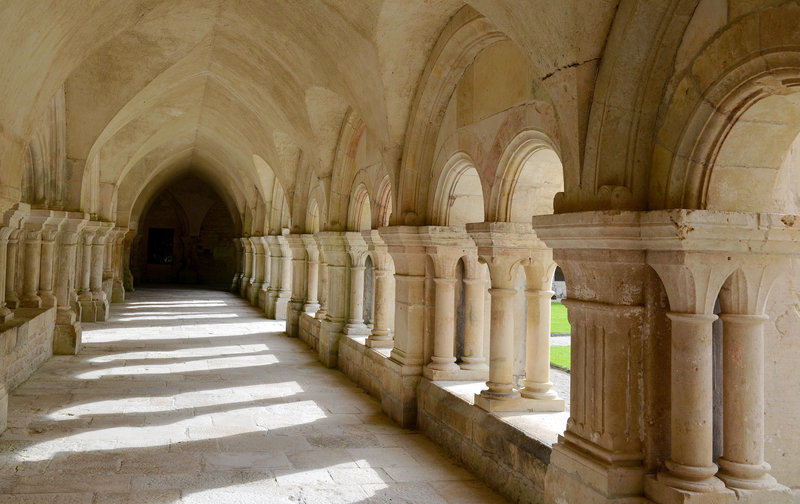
458, 198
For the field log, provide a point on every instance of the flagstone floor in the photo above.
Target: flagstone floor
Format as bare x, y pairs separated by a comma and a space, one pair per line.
191, 396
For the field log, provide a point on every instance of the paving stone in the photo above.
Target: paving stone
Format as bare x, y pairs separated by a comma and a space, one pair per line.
202, 410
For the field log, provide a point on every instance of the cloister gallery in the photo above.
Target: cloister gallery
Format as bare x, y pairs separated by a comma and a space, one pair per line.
399, 179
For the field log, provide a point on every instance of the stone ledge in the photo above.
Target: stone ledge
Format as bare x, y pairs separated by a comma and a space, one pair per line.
510, 451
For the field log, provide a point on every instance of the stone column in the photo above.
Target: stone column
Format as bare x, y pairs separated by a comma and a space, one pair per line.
274, 275
267, 274
312, 274
537, 384
473, 358
285, 292
443, 358
118, 266
690, 466
323, 283
32, 261
334, 248
97, 265
298, 285
742, 465
85, 292
257, 276
239, 261
381, 336
355, 323
48, 255
248, 266
404, 367
12, 301
9, 231
67, 335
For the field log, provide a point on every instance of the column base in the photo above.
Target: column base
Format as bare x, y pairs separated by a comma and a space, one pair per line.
281, 307
384, 341
745, 476
3, 408
457, 374
399, 392
117, 293
356, 329
574, 475
101, 310
516, 403
67, 339
30, 302
88, 310
474, 363
5, 315
663, 489
311, 308
48, 299
328, 344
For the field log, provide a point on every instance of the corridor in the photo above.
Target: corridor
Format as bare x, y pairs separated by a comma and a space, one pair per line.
189, 396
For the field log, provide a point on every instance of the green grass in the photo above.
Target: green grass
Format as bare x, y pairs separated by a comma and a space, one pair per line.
558, 319
559, 355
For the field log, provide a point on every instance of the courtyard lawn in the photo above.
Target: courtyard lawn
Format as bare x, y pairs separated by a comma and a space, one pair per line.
558, 319
559, 355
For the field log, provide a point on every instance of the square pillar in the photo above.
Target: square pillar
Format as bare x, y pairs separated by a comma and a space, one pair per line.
67, 336
299, 285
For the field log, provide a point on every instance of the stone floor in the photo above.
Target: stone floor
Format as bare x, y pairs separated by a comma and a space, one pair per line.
193, 397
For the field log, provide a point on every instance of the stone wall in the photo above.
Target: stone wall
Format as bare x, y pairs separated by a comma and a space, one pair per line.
25, 343
364, 365
506, 458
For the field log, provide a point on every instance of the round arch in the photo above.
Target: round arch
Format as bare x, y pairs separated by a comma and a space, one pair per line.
359, 215
458, 197
705, 155
528, 177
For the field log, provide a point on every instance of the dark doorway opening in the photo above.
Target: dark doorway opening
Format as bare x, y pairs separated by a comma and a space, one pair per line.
185, 237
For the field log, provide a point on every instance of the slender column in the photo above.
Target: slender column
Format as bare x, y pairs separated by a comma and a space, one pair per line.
444, 326
239, 258
537, 346
5, 313
285, 291
473, 324
32, 265
501, 346
46, 268
355, 324
381, 336
323, 290
248, 266
96, 277
690, 466
257, 279
274, 276
85, 292
312, 304
11, 270
118, 266
742, 465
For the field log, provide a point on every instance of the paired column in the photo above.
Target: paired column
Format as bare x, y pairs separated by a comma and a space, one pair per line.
85, 291
257, 277
274, 275
97, 264
32, 261
323, 281
12, 301
248, 266
355, 323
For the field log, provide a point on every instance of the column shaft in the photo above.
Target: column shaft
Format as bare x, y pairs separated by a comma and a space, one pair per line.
323, 291
355, 323
501, 346
690, 466
11, 270
473, 324
46, 274
33, 251
742, 464
444, 326
537, 346
381, 336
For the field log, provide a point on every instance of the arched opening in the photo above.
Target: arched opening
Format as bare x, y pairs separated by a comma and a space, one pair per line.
186, 237
459, 193
360, 214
